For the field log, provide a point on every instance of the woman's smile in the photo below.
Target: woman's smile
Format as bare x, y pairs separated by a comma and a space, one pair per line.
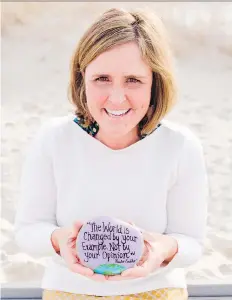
118, 114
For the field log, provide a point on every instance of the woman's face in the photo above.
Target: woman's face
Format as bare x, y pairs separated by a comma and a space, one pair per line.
118, 89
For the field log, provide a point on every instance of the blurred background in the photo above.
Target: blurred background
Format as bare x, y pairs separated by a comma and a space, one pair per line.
38, 40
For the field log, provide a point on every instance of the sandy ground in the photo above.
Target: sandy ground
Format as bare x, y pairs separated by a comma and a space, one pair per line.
38, 40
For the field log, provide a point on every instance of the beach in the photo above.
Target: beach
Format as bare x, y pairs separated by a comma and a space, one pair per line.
38, 40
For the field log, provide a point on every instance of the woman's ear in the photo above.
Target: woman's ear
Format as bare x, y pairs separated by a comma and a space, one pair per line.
83, 74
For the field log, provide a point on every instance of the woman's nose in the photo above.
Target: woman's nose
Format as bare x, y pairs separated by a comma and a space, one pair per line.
117, 97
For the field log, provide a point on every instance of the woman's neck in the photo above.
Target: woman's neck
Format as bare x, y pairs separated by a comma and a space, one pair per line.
118, 142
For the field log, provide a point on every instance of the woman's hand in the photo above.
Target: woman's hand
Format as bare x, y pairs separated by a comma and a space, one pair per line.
159, 249
64, 243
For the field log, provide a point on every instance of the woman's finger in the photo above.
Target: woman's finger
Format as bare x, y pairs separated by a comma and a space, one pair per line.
73, 262
71, 244
68, 255
152, 263
136, 272
145, 253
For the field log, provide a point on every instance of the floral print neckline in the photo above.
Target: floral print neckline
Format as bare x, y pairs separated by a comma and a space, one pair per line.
93, 128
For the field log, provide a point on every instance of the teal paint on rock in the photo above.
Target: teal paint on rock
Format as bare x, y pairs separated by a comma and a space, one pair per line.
109, 269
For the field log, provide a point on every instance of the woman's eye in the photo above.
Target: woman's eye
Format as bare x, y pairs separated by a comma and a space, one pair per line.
133, 80
102, 78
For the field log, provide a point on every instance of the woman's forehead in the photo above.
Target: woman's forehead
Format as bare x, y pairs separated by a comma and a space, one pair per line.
125, 60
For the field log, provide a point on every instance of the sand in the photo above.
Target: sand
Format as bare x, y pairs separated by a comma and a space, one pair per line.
38, 40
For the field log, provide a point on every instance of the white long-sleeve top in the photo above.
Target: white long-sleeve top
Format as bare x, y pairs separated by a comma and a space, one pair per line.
159, 183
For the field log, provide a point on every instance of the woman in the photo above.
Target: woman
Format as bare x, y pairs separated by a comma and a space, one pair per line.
117, 156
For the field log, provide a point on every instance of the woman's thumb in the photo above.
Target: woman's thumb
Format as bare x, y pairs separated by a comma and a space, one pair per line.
75, 229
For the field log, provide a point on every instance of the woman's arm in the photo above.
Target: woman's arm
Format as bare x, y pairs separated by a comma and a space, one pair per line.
187, 205
36, 213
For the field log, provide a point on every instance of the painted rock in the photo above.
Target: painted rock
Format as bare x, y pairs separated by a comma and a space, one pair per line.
109, 246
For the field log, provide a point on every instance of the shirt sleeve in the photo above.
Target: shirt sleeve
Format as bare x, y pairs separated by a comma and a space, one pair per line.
36, 214
187, 205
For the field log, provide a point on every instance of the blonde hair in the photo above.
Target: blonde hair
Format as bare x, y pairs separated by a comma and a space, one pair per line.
116, 27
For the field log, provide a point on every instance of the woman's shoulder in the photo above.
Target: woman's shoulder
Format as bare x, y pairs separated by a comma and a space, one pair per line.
54, 125
180, 133
57, 122
55, 129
